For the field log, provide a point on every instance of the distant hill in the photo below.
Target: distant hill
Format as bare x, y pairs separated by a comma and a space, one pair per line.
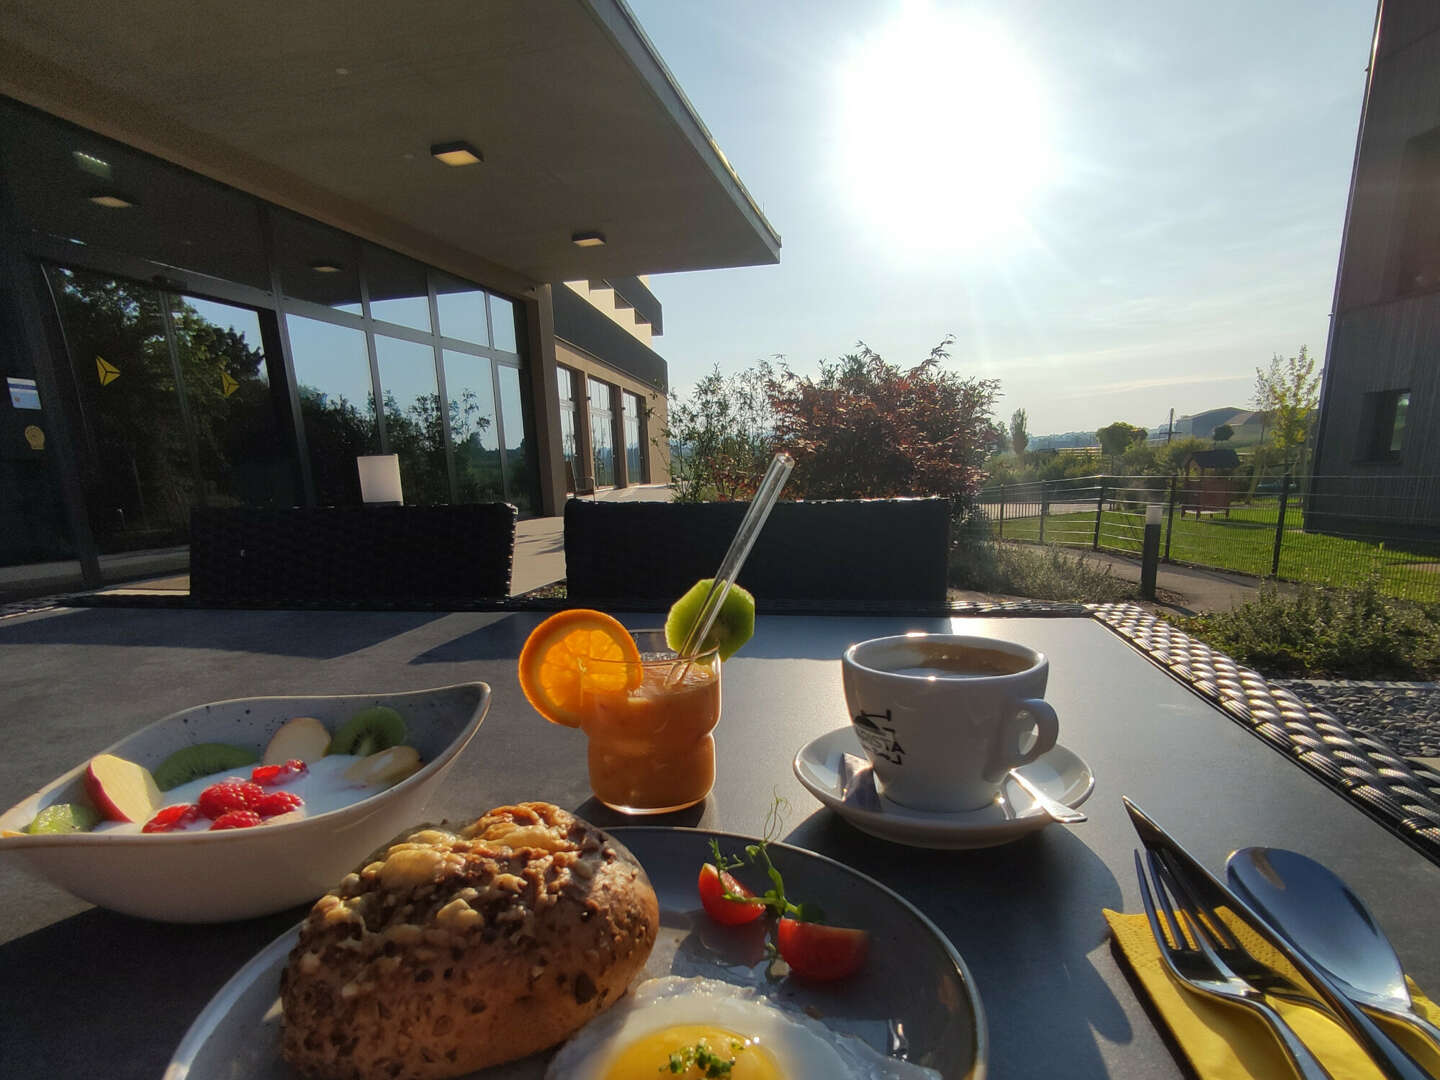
1060, 442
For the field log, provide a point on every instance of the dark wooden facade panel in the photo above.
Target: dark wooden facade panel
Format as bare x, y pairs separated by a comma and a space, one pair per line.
1404, 103
1391, 347
1407, 23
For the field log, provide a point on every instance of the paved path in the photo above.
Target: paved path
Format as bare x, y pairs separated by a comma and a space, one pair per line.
1200, 589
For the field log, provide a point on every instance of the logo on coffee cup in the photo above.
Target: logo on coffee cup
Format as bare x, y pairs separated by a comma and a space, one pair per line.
877, 738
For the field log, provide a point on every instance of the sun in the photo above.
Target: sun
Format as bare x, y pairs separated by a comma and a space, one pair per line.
945, 133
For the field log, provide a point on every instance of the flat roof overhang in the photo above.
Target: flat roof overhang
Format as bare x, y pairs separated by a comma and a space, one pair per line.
331, 112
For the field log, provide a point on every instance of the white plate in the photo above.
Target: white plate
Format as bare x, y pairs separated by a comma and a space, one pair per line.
1062, 774
237, 1035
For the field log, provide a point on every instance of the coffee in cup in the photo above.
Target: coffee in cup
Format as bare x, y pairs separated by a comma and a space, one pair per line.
943, 717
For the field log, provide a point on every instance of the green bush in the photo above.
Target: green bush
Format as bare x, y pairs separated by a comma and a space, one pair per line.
1327, 633
1040, 573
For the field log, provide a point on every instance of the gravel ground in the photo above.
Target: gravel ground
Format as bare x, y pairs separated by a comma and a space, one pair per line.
1405, 715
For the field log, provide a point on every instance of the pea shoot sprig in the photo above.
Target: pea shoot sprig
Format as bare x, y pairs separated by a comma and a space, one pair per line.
758, 854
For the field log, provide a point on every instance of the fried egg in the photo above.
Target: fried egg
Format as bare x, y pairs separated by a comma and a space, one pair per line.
673, 1028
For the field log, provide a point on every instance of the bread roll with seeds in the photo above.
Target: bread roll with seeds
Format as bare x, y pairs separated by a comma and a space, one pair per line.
454, 951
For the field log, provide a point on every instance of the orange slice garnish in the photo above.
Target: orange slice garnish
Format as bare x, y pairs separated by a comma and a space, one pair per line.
572, 654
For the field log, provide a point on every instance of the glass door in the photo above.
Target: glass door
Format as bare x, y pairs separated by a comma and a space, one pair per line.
174, 409
136, 464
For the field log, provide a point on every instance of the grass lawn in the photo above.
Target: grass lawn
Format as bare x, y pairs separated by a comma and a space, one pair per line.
1245, 542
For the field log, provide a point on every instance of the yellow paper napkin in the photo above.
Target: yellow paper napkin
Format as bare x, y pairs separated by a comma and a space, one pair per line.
1229, 1042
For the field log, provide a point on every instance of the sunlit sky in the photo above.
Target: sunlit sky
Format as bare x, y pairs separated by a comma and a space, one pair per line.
1117, 208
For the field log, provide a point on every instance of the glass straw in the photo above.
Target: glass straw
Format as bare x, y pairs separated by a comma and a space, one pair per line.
760, 507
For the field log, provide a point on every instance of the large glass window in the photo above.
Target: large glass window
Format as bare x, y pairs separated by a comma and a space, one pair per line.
602, 432
566, 380
411, 407
461, 308
398, 293
473, 431
517, 456
337, 402
634, 457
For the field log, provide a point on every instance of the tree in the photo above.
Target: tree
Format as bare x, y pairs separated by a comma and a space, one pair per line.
1223, 433
1287, 393
866, 428
720, 436
1019, 437
1118, 437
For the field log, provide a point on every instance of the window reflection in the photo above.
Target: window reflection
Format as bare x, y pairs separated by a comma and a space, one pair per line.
518, 476
473, 431
244, 461
566, 379
461, 307
634, 459
602, 432
317, 263
502, 321
337, 403
398, 293
135, 463
411, 407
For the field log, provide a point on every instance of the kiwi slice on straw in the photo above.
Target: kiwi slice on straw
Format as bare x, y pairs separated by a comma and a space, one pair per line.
734, 625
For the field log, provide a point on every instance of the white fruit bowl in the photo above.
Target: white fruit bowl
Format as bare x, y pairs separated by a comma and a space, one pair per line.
241, 873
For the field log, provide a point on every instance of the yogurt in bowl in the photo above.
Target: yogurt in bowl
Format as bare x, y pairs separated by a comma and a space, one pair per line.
219, 875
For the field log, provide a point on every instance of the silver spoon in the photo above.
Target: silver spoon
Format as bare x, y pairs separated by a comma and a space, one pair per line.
1320, 915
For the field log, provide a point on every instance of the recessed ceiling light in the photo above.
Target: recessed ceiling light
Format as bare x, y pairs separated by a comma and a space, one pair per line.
456, 153
326, 266
111, 200
588, 239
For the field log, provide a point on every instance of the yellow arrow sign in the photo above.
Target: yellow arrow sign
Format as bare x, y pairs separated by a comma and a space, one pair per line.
107, 371
227, 384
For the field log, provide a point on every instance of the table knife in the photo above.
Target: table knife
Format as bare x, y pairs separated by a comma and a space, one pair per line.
1388, 1057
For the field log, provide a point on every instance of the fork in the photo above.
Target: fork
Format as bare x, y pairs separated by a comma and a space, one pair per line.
1201, 967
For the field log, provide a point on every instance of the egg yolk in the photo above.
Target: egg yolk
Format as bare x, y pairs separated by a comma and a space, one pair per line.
650, 1057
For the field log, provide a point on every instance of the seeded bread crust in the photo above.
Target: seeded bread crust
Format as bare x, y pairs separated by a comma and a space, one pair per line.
454, 951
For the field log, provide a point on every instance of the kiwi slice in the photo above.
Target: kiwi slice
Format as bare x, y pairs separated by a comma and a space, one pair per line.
192, 762
64, 817
369, 731
734, 626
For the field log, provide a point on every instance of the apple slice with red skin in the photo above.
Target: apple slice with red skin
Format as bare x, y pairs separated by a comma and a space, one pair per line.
302, 737
121, 790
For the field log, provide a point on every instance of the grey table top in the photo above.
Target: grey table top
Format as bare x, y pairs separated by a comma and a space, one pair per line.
83, 986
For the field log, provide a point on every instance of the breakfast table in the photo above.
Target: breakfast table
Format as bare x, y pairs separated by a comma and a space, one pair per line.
86, 992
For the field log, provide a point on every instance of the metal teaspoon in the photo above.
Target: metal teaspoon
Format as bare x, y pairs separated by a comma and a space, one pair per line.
1320, 915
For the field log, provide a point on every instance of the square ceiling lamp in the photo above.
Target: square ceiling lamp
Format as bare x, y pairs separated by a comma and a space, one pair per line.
112, 200
456, 153
326, 266
588, 239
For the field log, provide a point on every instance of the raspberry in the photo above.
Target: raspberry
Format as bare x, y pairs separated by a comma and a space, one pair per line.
278, 802
231, 794
172, 817
274, 775
236, 819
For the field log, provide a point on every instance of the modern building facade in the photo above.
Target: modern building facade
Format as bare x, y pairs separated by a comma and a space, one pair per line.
240, 248
1377, 449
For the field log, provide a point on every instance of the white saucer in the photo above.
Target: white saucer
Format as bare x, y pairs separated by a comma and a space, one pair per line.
1062, 774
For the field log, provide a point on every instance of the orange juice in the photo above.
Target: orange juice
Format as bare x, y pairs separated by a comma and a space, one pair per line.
650, 747
647, 715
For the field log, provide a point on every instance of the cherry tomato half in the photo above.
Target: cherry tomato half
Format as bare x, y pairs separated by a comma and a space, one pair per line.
714, 885
814, 951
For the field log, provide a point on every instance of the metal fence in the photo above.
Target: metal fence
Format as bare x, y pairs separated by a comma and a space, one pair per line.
1328, 530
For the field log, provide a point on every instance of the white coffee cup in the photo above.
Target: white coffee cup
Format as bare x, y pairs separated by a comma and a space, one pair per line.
943, 717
